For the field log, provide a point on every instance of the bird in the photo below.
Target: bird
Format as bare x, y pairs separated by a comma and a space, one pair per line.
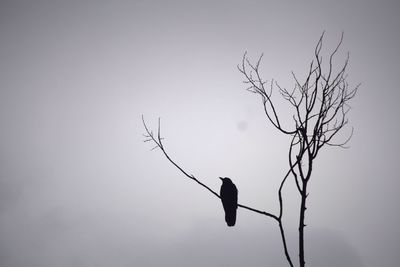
229, 197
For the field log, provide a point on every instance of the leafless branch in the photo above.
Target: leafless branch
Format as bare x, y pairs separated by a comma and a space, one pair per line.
157, 140
159, 144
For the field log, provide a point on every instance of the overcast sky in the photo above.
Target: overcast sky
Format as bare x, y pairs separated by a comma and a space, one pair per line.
78, 187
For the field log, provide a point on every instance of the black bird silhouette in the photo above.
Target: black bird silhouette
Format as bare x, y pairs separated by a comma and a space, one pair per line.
229, 197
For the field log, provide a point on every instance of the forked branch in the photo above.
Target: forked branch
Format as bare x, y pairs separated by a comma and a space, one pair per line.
158, 141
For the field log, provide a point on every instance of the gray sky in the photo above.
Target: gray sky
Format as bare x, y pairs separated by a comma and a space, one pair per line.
78, 187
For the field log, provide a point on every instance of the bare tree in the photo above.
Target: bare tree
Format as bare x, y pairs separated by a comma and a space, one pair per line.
319, 111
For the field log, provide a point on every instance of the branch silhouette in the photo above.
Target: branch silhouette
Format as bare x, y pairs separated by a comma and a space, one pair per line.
159, 144
158, 141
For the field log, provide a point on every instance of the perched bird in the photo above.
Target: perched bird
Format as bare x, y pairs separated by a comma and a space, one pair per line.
229, 197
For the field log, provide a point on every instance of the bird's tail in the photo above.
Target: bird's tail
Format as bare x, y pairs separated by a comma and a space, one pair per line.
230, 217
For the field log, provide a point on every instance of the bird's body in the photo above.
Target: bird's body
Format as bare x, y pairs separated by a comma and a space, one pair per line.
229, 197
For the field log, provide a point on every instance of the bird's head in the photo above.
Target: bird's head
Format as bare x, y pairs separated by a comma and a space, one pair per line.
225, 180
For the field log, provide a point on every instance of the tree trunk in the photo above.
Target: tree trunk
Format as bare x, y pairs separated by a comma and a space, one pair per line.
302, 225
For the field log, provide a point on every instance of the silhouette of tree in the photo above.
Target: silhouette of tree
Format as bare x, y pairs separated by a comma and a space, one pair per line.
319, 111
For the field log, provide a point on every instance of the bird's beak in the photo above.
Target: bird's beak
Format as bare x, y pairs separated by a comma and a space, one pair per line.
221, 178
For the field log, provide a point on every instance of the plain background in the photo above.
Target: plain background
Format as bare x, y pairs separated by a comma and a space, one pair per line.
78, 187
